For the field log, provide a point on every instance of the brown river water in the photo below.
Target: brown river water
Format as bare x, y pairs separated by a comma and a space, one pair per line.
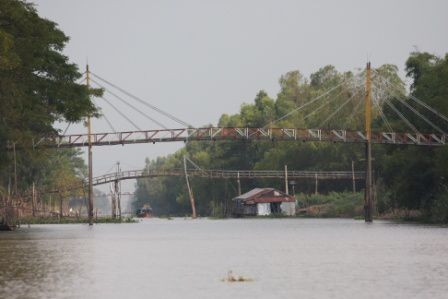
184, 258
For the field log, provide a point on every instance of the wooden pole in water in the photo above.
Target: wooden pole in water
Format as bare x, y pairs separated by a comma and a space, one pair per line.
89, 130
190, 192
239, 183
353, 176
368, 203
112, 202
15, 169
33, 200
118, 188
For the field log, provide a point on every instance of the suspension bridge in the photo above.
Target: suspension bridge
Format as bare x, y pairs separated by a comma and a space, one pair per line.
375, 89
227, 174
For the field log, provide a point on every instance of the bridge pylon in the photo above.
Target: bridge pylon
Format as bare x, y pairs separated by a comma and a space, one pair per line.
368, 198
89, 132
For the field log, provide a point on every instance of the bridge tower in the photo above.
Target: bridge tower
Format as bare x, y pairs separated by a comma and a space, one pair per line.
89, 132
368, 200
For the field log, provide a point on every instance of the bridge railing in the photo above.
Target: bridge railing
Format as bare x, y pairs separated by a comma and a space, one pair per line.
217, 133
242, 174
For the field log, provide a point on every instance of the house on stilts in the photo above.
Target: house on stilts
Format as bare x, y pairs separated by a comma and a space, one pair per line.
264, 202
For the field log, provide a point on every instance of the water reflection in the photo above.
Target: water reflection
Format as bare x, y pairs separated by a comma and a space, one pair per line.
184, 258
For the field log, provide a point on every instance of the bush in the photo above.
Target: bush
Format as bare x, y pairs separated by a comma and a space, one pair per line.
334, 204
439, 210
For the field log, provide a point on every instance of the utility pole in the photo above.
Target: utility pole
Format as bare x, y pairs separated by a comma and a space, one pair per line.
190, 192
15, 168
117, 204
293, 184
33, 200
118, 190
368, 203
286, 180
353, 176
113, 202
316, 184
239, 183
89, 131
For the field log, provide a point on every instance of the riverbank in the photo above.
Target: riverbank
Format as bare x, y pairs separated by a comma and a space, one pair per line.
73, 220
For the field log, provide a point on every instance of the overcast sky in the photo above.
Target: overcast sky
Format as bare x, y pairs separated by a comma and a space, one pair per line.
199, 59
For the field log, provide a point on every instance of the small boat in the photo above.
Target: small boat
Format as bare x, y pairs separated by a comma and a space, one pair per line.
144, 212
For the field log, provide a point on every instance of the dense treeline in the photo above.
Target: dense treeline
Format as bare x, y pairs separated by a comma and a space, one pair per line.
407, 177
38, 87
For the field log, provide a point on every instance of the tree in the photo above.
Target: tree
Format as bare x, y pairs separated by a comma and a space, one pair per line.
38, 84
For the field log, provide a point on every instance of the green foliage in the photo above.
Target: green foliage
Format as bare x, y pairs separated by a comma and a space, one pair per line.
334, 204
74, 220
414, 176
38, 86
439, 210
213, 197
407, 177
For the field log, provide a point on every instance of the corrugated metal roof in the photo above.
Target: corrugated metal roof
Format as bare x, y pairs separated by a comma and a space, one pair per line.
253, 193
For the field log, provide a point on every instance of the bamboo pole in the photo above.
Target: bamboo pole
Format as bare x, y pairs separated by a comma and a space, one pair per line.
190, 192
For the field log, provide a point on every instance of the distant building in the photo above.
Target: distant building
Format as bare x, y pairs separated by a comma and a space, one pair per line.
263, 202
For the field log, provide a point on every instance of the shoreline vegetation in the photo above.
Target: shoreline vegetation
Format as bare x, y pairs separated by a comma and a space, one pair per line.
42, 88
320, 211
73, 220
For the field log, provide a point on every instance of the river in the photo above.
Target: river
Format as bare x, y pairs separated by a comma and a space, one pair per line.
184, 258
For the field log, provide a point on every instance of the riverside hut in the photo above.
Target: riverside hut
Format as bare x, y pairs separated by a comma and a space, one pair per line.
263, 202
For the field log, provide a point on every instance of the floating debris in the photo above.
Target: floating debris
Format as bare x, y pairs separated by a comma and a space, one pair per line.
231, 278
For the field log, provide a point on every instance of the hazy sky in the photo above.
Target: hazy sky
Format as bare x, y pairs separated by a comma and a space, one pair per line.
199, 59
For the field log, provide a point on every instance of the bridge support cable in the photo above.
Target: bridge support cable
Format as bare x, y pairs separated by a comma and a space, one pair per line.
145, 103
109, 123
195, 165
339, 109
423, 104
382, 115
122, 114
66, 128
420, 115
82, 79
308, 103
130, 105
352, 115
402, 100
418, 101
322, 106
380, 110
406, 121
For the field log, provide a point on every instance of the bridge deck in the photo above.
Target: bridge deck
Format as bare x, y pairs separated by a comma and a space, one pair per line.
220, 174
239, 134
